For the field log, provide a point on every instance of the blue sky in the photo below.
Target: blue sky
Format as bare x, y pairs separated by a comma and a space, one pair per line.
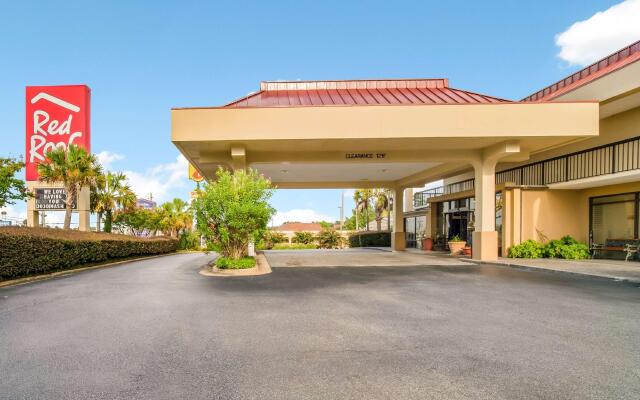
141, 58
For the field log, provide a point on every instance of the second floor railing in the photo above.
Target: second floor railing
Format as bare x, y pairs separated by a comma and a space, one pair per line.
602, 160
420, 199
607, 159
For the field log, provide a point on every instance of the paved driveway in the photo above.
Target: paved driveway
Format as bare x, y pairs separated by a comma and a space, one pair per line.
361, 257
156, 329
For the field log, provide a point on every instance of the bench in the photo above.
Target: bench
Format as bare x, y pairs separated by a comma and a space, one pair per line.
628, 246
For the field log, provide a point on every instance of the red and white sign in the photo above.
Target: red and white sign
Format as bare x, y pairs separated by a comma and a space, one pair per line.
57, 116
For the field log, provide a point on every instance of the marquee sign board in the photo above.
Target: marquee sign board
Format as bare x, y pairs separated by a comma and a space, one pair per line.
57, 116
49, 199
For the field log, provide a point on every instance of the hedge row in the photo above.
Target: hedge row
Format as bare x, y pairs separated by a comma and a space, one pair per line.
370, 239
29, 254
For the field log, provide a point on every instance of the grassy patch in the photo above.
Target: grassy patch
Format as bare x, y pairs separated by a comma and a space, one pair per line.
229, 263
294, 246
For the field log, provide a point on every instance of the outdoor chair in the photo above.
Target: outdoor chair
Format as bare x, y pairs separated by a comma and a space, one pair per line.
632, 251
627, 246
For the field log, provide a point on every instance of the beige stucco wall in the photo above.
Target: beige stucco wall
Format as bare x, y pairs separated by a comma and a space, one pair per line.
551, 214
529, 213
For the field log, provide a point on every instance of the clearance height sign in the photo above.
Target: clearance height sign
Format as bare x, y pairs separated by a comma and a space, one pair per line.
57, 116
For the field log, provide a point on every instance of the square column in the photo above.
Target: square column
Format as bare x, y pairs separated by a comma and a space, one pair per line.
84, 209
485, 236
397, 235
33, 218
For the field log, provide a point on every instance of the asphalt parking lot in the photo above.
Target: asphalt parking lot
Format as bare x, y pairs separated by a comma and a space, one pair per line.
156, 329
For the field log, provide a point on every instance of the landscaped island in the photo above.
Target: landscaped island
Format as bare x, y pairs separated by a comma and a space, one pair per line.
29, 251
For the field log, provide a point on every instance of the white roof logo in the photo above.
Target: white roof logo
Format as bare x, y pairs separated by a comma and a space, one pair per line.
54, 100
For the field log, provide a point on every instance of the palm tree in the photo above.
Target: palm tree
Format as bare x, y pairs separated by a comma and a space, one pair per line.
95, 203
381, 205
75, 168
176, 217
112, 193
363, 202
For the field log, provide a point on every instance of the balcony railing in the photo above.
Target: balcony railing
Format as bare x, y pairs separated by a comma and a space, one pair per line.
420, 199
603, 160
611, 158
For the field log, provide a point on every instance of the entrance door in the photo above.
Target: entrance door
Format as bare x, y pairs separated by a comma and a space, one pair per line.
457, 224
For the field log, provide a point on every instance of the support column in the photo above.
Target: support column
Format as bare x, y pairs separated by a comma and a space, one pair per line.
84, 210
33, 218
397, 235
511, 218
408, 199
485, 236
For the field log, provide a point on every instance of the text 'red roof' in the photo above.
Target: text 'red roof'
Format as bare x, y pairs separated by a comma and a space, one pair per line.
607, 65
360, 92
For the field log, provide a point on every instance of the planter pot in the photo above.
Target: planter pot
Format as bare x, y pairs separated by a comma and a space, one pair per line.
456, 247
427, 244
466, 250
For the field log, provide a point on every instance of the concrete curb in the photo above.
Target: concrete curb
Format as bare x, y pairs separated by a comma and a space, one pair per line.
556, 271
29, 279
262, 268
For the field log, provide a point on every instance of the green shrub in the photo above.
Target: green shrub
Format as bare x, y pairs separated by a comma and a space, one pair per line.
330, 239
370, 239
230, 263
30, 251
565, 247
189, 241
270, 238
527, 249
304, 237
294, 246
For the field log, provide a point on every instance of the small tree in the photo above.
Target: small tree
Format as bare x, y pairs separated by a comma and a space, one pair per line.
330, 239
75, 168
134, 220
270, 238
11, 188
303, 237
234, 210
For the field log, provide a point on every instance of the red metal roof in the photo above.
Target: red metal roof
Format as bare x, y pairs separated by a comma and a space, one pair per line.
615, 61
360, 92
299, 227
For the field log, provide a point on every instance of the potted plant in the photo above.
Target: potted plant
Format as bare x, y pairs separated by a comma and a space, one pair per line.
466, 250
427, 244
456, 244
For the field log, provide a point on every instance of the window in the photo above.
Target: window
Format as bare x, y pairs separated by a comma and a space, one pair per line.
614, 217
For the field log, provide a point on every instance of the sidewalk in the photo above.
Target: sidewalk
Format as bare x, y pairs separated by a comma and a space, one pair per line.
611, 269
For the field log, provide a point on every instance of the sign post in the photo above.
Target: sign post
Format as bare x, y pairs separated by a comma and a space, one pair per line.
56, 116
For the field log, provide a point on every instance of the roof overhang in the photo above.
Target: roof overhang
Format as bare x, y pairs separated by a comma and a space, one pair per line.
617, 91
415, 143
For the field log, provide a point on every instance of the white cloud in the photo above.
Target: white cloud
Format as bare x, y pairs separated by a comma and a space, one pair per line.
603, 33
15, 212
161, 179
300, 215
106, 158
